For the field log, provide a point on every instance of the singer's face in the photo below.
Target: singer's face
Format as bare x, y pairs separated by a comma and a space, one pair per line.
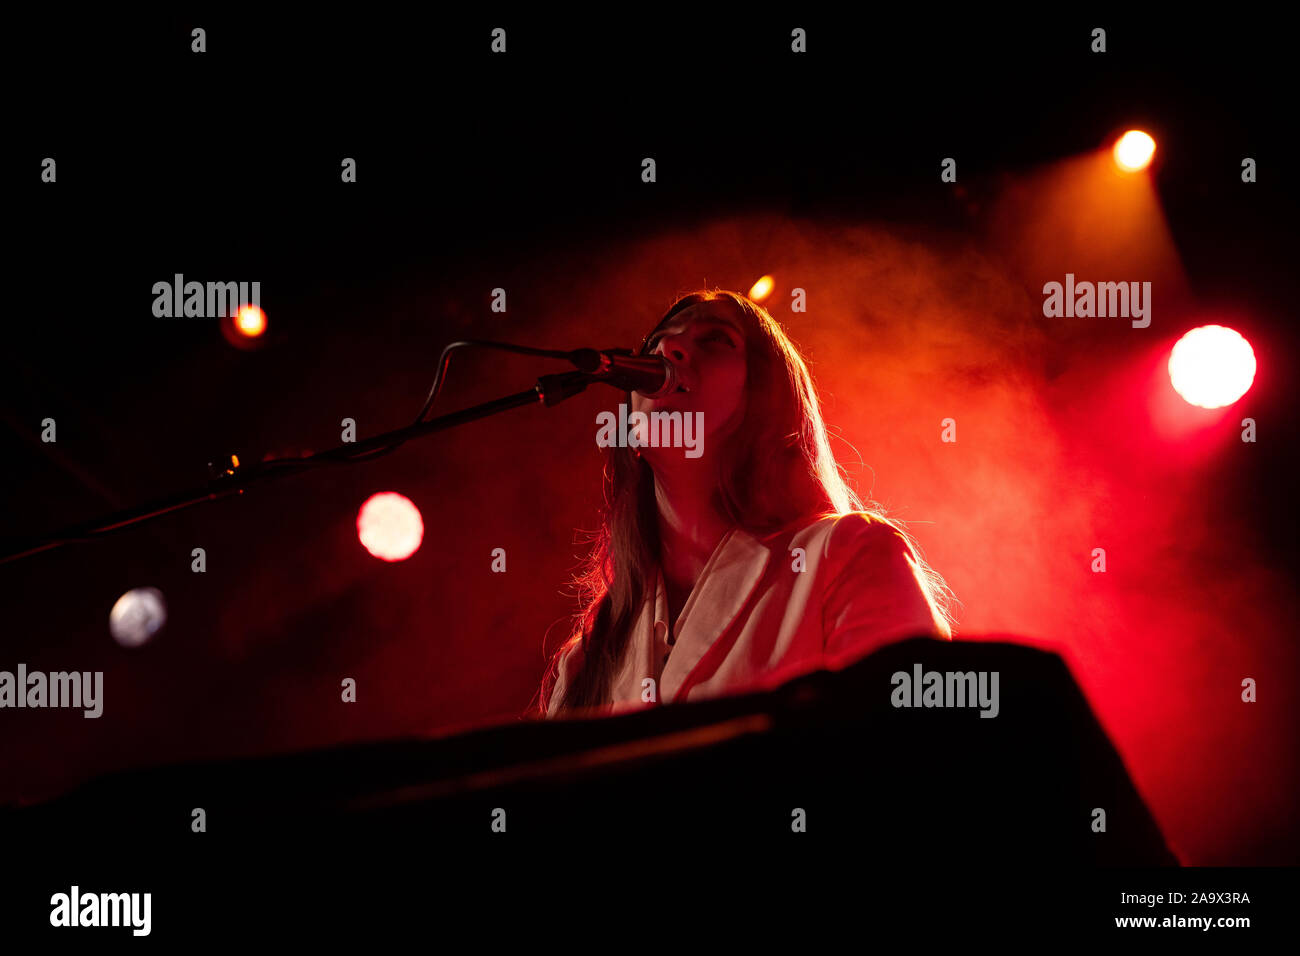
707, 348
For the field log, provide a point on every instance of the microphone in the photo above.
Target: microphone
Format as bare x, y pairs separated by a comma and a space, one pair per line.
653, 376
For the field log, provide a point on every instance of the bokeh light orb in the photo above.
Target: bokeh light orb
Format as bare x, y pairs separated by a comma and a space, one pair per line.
250, 321
1133, 150
761, 289
389, 526
1212, 366
137, 616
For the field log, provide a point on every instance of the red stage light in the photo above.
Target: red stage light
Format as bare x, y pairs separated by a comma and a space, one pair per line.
389, 526
1212, 366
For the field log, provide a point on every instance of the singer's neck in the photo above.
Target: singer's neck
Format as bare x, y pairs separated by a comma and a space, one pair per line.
690, 526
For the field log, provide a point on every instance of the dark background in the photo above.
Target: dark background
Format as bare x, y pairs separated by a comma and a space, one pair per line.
523, 172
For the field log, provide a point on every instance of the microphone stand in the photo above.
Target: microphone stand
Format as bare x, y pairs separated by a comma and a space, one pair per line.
229, 477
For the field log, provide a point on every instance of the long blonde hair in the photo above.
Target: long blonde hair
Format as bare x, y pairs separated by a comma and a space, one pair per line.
777, 472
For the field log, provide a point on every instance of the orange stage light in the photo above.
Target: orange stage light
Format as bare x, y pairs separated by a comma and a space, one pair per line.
250, 321
1133, 151
761, 289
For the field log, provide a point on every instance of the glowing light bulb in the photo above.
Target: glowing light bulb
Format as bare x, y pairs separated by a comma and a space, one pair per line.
250, 321
1212, 366
761, 289
1134, 150
389, 526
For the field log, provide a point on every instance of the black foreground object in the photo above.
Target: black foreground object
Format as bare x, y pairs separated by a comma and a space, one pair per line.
826, 759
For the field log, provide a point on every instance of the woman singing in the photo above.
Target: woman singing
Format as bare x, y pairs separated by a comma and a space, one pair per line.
747, 565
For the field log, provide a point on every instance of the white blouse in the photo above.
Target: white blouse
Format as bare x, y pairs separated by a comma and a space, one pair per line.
765, 610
